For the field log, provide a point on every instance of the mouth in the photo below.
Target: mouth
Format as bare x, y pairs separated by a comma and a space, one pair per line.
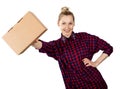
67, 31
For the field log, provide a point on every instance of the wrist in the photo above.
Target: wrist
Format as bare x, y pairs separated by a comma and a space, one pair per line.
37, 44
96, 63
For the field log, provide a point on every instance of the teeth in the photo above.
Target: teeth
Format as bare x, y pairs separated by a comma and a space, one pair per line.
67, 31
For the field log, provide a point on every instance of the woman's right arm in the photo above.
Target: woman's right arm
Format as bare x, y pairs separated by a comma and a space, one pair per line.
37, 44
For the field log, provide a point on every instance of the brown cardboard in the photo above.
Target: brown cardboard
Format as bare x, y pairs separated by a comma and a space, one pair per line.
24, 32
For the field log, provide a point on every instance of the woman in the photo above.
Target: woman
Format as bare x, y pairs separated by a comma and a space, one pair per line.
74, 52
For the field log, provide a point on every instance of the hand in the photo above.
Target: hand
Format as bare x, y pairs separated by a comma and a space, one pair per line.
37, 44
88, 62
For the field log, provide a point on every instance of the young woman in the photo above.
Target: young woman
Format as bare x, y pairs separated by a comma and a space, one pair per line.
74, 52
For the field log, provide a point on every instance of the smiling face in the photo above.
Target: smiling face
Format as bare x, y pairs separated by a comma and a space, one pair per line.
66, 25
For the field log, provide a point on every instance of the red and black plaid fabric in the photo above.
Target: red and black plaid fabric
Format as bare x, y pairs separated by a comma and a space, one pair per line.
69, 53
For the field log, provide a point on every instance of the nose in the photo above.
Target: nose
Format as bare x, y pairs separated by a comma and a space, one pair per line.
67, 27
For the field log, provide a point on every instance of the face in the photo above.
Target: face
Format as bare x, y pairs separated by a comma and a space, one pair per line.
66, 25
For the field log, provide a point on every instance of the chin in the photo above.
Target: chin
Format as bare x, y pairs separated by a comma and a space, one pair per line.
67, 35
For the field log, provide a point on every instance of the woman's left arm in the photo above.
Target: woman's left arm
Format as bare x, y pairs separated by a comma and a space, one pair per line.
98, 44
88, 62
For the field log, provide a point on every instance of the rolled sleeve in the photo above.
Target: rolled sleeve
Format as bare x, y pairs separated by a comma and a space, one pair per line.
95, 44
103, 45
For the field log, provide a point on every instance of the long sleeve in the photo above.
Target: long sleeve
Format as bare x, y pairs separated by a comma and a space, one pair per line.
95, 44
49, 48
103, 45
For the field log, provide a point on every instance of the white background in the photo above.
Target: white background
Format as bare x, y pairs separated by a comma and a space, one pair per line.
34, 70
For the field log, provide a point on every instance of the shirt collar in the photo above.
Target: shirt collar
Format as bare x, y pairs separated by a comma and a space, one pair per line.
63, 38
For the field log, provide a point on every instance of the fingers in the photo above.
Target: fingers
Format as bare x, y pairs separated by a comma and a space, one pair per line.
86, 62
35, 41
37, 44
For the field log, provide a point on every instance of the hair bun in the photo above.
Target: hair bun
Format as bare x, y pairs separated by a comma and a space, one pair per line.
64, 9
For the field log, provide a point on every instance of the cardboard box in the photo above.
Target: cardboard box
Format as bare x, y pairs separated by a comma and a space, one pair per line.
24, 32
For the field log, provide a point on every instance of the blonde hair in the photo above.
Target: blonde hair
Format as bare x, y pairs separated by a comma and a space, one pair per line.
65, 11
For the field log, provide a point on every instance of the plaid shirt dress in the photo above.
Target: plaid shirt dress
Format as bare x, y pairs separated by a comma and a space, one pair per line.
69, 53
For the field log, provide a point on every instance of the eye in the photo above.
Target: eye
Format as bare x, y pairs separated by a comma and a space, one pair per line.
63, 23
71, 23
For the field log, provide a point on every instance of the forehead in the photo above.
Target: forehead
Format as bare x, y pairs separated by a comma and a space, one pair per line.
66, 18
